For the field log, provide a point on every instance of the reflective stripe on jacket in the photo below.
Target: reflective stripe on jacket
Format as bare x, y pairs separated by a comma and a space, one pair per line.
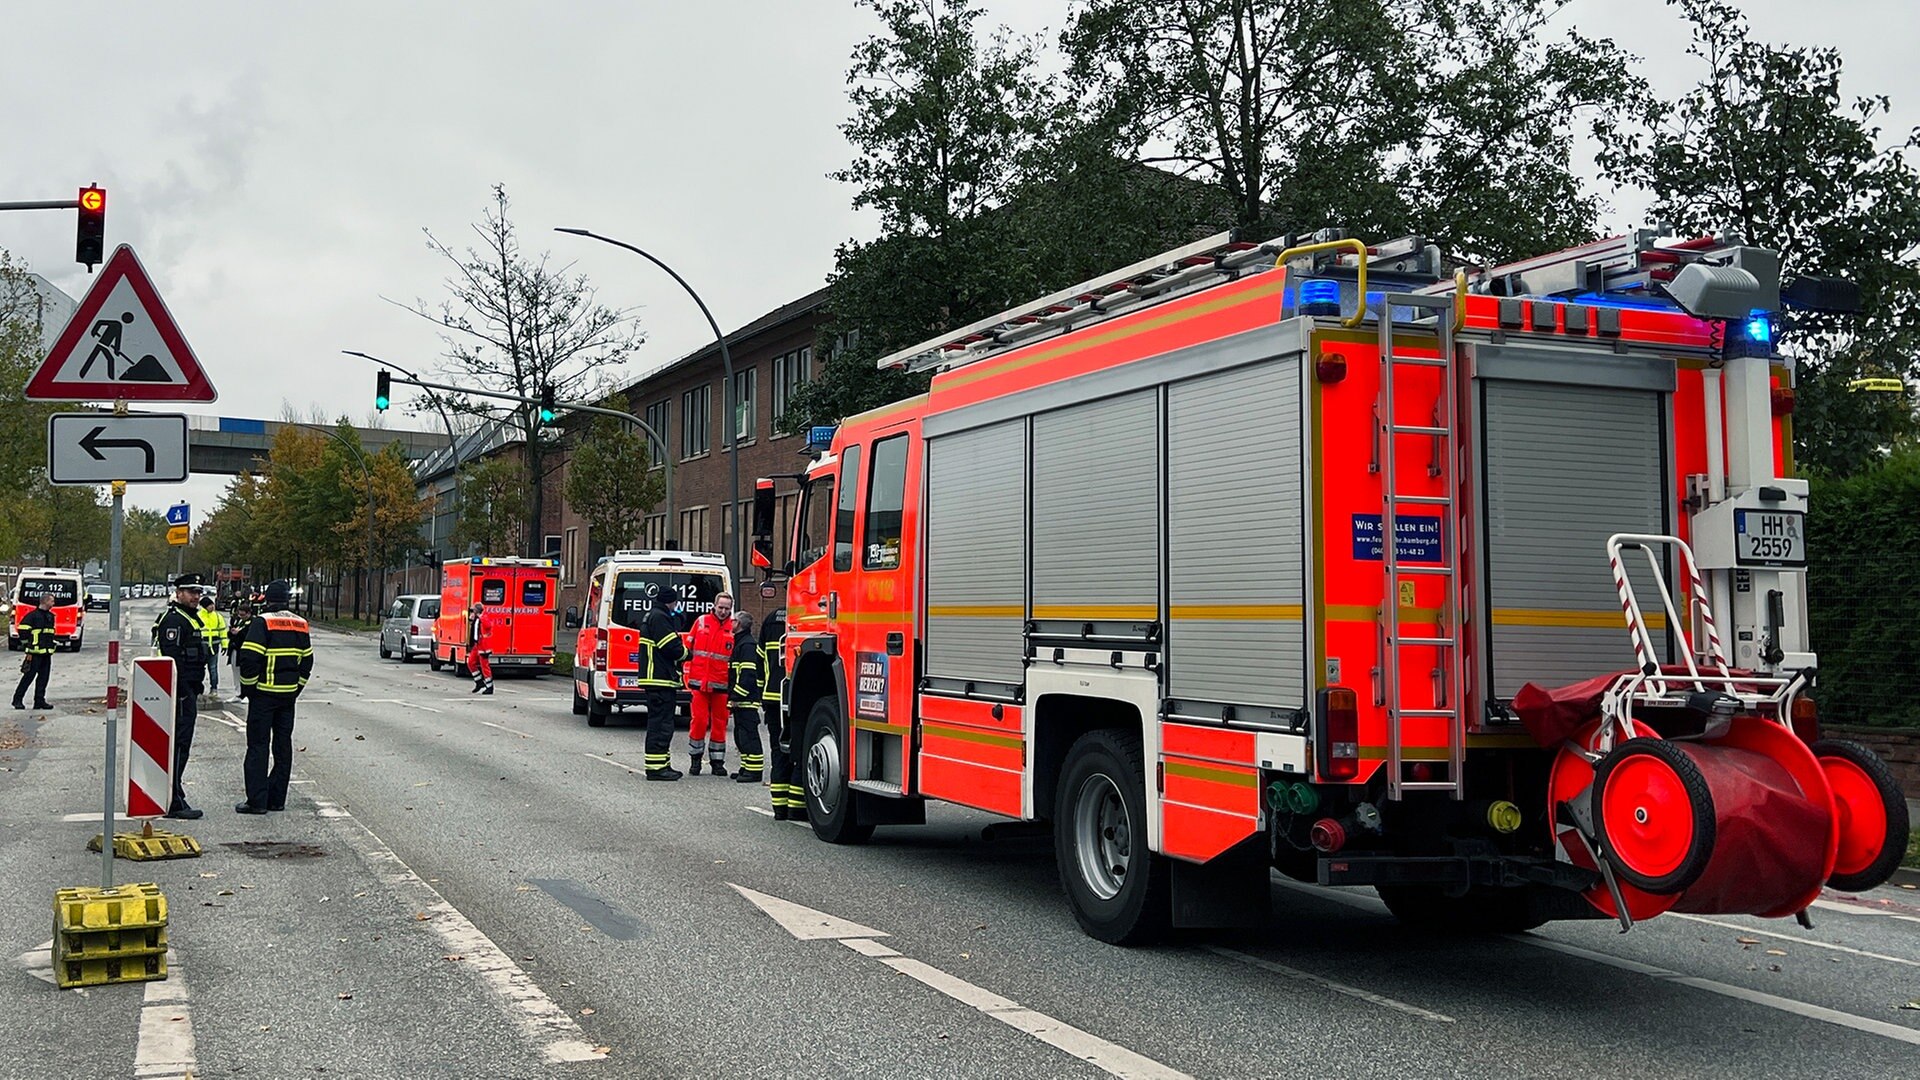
36, 632
661, 649
214, 626
748, 673
773, 635
276, 654
712, 653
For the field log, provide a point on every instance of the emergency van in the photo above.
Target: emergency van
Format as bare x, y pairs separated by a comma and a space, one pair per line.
69, 616
1483, 588
606, 665
523, 594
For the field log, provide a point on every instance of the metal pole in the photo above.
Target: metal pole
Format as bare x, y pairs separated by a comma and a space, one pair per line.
726, 364
113, 679
42, 204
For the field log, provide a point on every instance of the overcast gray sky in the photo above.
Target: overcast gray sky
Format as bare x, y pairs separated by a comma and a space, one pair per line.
274, 163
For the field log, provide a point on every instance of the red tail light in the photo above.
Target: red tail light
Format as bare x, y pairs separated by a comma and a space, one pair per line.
413, 629
1339, 741
600, 650
1806, 719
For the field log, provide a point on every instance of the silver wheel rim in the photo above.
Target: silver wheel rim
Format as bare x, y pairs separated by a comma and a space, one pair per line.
1103, 836
823, 771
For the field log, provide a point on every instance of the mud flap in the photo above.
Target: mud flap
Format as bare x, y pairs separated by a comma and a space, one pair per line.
1232, 892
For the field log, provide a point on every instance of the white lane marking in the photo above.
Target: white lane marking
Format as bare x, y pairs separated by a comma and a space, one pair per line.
327, 809
1855, 909
401, 701
1801, 940
503, 727
165, 1050
763, 810
227, 719
542, 1022
1329, 984
615, 764
1757, 997
756, 809
38, 962
807, 924
228, 713
95, 816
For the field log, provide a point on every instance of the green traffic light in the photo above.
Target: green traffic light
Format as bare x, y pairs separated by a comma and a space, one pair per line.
382, 391
546, 416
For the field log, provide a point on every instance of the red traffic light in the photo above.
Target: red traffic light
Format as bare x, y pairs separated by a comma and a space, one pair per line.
93, 199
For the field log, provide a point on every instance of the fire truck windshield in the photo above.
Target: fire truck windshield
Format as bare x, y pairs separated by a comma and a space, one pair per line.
65, 591
631, 601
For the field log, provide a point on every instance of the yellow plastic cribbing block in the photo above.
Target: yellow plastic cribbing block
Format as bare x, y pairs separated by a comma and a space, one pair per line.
141, 848
125, 907
74, 973
101, 944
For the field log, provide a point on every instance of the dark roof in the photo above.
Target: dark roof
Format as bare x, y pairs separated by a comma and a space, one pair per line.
785, 313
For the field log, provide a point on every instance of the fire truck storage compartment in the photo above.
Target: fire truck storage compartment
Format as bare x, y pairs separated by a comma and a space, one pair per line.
976, 554
1576, 449
1096, 519
1235, 537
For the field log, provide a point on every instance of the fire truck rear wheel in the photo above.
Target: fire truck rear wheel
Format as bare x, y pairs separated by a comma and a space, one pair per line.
1120, 891
1428, 909
830, 805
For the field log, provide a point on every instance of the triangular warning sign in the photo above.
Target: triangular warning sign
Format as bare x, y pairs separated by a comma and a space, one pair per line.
121, 344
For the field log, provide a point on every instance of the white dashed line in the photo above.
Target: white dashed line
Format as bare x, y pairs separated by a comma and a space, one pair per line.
402, 702
615, 764
1800, 940
166, 1049
503, 727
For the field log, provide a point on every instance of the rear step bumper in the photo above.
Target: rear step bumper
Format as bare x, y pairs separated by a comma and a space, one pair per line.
1462, 871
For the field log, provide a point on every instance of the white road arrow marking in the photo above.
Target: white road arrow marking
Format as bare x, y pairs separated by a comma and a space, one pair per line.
809, 925
38, 961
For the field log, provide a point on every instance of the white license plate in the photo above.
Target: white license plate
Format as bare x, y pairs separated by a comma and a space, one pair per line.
1770, 537
629, 682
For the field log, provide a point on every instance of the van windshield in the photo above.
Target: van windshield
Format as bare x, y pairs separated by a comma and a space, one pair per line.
633, 593
65, 591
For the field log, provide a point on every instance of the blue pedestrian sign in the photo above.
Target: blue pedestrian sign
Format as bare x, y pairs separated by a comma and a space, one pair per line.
177, 514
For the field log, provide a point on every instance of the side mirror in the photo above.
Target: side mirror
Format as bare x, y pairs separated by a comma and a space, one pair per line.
763, 526
573, 618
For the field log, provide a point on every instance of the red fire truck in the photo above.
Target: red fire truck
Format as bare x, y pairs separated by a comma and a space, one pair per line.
69, 614
1484, 589
606, 670
522, 593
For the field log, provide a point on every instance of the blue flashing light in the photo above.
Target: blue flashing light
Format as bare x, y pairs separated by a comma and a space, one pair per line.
821, 437
1760, 328
1621, 300
1319, 297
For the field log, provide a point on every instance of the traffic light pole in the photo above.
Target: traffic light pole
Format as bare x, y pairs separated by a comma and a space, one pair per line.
55, 204
673, 525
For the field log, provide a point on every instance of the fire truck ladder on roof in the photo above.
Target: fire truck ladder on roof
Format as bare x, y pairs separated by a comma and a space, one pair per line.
1214, 261
1447, 675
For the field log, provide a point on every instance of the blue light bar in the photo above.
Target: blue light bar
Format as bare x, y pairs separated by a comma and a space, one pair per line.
1319, 297
821, 437
1760, 328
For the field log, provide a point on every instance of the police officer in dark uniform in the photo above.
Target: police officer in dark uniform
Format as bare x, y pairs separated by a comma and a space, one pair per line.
36, 636
276, 659
176, 633
661, 651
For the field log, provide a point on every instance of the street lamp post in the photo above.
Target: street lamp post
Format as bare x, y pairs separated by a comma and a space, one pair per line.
726, 363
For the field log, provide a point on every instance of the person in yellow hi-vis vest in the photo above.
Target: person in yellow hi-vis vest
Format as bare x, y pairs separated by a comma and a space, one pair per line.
213, 627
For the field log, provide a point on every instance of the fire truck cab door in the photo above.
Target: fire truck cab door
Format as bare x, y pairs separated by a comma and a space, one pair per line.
876, 609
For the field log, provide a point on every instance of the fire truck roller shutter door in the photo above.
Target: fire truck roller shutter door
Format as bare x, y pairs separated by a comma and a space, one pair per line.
1096, 515
976, 554
1566, 467
1234, 537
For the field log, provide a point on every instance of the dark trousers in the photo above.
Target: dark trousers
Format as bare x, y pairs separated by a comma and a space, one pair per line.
746, 736
186, 710
662, 703
269, 724
39, 666
788, 753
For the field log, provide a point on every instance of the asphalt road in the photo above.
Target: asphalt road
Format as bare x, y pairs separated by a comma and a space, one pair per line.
485, 887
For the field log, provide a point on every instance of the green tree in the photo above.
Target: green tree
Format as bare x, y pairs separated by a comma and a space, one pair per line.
610, 479
493, 505
512, 323
145, 554
1766, 147
62, 526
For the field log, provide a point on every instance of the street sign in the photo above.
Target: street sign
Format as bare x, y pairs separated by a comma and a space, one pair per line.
177, 535
121, 345
179, 514
99, 448
150, 737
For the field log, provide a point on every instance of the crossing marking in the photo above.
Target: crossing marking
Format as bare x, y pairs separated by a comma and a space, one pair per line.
166, 1047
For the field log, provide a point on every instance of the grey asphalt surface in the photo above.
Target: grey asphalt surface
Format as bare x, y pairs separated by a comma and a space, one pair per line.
612, 895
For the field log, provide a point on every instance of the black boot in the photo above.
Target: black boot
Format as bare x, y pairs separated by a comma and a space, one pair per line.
719, 767
19, 704
694, 768
747, 776
668, 773
780, 813
489, 690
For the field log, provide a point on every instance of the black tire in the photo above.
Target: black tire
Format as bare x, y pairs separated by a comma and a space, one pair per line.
1693, 861
579, 701
460, 668
1120, 895
385, 653
597, 714
433, 659
1429, 910
823, 761
1877, 872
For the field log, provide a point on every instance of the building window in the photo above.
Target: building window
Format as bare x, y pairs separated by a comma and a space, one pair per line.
790, 372
693, 529
657, 420
783, 508
743, 417
654, 533
570, 559
550, 547
693, 420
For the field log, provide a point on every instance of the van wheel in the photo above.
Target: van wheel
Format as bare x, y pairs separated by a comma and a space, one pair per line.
597, 714
1120, 891
824, 762
385, 653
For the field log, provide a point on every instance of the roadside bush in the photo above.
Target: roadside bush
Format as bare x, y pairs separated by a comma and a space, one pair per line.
1863, 592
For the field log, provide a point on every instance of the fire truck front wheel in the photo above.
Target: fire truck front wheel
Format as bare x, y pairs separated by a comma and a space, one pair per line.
830, 804
1120, 891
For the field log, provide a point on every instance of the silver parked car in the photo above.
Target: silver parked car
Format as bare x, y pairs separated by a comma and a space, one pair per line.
407, 631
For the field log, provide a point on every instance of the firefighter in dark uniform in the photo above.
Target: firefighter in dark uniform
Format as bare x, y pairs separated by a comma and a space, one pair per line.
236, 626
36, 636
276, 658
661, 651
177, 634
789, 798
745, 677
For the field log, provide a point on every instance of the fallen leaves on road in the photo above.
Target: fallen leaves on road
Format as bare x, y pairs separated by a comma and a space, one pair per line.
224, 892
359, 738
344, 996
209, 873
587, 1011
603, 1050
1776, 952
1914, 1004
1748, 940
421, 916
453, 956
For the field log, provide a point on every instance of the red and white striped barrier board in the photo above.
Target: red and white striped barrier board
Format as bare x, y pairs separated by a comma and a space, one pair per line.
150, 738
